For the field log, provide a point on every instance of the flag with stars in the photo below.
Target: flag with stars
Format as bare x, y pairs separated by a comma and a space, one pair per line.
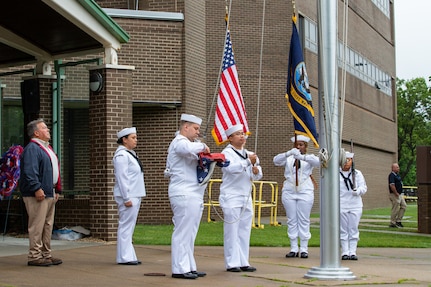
230, 109
207, 162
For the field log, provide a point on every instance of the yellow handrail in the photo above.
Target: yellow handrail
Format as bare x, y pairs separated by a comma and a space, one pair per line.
258, 203
210, 203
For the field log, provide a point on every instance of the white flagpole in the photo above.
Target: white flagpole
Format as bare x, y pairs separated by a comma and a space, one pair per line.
329, 268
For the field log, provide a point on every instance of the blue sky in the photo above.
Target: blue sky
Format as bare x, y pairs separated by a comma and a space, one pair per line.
412, 38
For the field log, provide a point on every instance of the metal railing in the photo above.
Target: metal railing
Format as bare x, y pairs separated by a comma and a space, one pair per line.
259, 203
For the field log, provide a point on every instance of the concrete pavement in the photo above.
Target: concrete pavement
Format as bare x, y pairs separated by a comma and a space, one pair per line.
93, 264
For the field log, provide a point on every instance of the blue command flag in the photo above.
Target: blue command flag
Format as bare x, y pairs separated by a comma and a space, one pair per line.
298, 90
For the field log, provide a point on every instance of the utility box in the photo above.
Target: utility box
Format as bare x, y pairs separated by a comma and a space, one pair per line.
423, 178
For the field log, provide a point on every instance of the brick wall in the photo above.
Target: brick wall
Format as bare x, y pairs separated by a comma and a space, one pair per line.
110, 111
178, 62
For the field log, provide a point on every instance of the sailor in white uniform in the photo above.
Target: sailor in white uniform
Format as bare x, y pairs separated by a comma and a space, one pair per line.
185, 195
236, 200
298, 193
128, 191
352, 187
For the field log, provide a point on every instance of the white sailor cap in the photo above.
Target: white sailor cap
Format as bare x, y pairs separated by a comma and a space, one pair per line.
191, 119
125, 132
349, 154
300, 138
235, 128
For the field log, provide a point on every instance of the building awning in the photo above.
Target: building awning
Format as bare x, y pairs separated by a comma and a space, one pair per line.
33, 31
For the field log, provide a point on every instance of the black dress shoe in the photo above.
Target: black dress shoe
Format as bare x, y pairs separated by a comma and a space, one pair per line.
130, 263
304, 255
199, 273
234, 269
188, 275
345, 257
353, 257
139, 262
248, 269
291, 254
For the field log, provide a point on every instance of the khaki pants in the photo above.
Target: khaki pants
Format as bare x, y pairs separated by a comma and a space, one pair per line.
398, 208
40, 223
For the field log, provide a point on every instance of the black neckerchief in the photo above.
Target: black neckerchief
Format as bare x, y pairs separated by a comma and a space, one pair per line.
297, 161
139, 162
243, 157
347, 180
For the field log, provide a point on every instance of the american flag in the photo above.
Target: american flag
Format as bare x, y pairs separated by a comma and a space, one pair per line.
230, 108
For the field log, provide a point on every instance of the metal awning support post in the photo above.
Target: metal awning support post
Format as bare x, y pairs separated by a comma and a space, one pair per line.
56, 100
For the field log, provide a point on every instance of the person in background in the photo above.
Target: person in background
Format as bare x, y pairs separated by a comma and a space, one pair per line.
185, 195
298, 193
236, 200
40, 186
352, 187
395, 195
128, 192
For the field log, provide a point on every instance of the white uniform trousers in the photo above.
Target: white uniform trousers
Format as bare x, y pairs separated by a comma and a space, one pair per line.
187, 212
126, 227
298, 210
349, 232
238, 213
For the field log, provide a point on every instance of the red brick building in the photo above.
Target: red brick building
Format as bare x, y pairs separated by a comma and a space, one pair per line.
170, 64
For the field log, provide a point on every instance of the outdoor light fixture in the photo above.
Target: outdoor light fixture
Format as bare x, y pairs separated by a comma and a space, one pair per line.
96, 82
377, 85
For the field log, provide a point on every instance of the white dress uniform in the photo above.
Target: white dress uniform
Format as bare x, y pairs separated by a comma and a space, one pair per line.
236, 201
186, 199
350, 209
129, 185
298, 200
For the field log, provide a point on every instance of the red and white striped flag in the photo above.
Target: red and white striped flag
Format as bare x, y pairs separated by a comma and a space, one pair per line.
230, 109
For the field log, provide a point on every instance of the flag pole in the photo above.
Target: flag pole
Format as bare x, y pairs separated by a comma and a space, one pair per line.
329, 268
296, 163
230, 108
296, 136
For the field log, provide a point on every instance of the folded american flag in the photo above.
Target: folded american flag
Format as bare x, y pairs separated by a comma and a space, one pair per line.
207, 163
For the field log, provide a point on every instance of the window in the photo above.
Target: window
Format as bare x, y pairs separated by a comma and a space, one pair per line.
12, 125
356, 64
383, 5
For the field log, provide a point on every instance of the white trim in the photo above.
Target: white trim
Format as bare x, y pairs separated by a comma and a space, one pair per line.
142, 14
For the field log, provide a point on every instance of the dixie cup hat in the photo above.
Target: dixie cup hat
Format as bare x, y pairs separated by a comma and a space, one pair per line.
125, 132
300, 138
191, 119
235, 128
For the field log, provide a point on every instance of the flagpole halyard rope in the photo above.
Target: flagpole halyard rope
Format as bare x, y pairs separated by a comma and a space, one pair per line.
260, 78
221, 217
343, 79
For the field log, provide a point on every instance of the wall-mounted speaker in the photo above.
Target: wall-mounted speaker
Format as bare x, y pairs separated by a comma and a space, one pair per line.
30, 96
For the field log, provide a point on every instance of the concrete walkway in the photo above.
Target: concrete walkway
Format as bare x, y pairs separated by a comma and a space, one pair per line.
93, 264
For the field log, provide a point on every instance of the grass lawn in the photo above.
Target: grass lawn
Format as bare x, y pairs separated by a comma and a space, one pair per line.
374, 232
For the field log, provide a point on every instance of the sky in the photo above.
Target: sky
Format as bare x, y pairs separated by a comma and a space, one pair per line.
412, 38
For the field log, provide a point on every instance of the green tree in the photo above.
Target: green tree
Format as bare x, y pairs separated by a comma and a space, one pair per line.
414, 126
